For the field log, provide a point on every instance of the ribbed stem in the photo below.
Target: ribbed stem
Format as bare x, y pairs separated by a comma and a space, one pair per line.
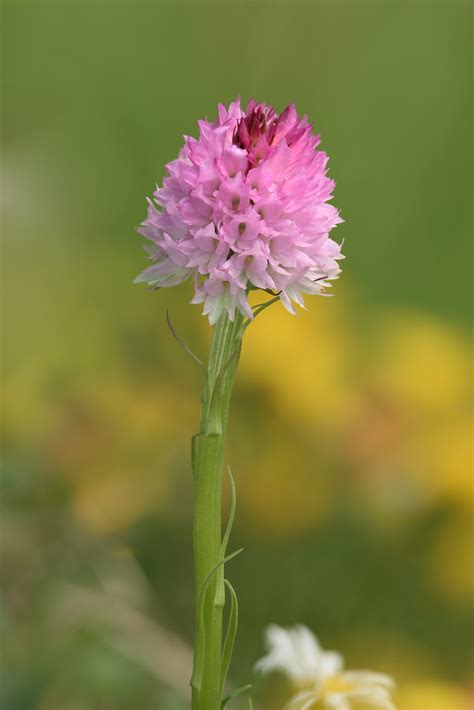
207, 461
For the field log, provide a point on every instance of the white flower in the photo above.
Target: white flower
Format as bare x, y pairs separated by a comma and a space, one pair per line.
297, 653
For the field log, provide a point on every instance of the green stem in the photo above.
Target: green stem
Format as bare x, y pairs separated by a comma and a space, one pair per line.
207, 462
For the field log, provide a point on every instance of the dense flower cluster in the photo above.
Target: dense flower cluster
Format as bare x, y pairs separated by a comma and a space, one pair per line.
244, 207
320, 674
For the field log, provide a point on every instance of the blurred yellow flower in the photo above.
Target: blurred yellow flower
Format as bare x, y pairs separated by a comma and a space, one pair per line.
305, 363
391, 403
433, 695
449, 457
421, 362
411, 429
130, 471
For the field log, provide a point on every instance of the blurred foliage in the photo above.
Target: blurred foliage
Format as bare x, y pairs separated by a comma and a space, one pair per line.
351, 427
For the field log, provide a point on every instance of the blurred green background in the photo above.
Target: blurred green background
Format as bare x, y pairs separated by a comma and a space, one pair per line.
350, 428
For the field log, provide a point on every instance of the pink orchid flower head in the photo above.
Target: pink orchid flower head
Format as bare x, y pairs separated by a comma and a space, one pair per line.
245, 206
